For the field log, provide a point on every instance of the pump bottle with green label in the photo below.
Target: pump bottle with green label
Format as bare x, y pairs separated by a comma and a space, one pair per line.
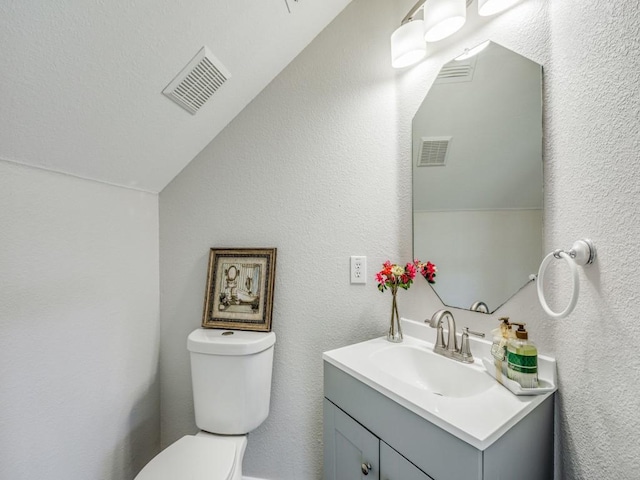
522, 359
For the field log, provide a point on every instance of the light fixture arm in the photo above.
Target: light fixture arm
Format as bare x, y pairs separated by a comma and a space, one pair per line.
409, 16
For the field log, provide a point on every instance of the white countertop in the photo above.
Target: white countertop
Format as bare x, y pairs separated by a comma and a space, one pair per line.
478, 420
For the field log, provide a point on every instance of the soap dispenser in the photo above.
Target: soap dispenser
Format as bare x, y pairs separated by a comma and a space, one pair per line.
522, 359
499, 346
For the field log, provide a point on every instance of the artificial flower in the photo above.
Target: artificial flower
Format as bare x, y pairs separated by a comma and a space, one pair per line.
396, 276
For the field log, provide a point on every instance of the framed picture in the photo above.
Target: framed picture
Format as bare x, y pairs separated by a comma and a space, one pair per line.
239, 292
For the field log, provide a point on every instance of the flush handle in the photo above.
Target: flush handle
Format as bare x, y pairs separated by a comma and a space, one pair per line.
365, 468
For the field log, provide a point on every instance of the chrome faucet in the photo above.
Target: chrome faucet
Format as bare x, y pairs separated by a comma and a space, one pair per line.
452, 342
450, 350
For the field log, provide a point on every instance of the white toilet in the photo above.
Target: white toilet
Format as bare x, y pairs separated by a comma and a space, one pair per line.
231, 375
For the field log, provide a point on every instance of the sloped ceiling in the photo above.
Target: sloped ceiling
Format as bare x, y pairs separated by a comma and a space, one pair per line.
81, 81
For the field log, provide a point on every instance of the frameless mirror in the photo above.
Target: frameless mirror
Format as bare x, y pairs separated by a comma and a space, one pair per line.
477, 177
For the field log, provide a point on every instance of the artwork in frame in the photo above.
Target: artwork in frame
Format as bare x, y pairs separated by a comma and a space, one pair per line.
239, 293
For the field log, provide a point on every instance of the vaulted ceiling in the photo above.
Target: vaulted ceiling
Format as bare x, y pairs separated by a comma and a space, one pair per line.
81, 81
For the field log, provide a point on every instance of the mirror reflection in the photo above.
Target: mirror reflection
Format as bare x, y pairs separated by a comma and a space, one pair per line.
477, 177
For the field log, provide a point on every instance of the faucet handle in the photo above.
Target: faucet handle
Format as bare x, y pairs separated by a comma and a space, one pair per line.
467, 331
465, 349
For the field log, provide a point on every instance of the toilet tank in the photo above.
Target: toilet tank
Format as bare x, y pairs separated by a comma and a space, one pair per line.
231, 376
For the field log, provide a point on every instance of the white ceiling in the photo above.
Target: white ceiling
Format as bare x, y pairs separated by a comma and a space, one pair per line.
81, 81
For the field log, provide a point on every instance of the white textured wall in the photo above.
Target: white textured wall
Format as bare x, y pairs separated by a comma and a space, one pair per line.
318, 165
309, 167
593, 189
79, 333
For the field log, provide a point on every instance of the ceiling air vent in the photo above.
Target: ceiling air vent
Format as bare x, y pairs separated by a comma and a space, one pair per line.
457, 71
433, 151
198, 81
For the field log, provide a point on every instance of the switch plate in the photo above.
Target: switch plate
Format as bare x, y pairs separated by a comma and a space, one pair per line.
358, 269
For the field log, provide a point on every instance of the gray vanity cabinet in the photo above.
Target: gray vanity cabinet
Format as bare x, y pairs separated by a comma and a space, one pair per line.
353, 452
363, 426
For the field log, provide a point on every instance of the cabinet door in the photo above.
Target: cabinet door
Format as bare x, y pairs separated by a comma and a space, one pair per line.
350, 450
394, 466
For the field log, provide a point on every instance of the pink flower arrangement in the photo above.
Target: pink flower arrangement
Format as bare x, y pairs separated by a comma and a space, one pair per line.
394, 276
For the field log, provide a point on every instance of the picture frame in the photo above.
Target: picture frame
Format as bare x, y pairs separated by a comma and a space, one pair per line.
240, 284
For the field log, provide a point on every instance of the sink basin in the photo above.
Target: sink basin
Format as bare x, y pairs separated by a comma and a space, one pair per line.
421, 368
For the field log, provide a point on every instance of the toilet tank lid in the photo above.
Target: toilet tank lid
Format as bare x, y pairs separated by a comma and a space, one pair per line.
214, 341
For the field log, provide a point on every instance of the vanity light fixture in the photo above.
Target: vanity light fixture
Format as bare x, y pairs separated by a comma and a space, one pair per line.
471, 52
440, 19
443, 18
407, 44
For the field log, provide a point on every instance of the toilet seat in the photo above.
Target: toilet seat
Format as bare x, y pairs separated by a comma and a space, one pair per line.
194, 458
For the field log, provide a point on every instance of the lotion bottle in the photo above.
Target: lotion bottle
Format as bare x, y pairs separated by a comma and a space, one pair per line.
522, 359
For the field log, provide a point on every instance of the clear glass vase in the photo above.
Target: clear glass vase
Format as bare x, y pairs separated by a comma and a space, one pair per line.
395, 332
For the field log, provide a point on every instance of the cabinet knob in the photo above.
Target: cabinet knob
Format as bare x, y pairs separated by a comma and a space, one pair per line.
365, 468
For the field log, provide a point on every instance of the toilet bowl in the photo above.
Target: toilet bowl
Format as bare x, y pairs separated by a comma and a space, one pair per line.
203, 456
231, 376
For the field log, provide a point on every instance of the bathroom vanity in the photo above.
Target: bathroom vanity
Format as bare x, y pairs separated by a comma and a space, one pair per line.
400, 412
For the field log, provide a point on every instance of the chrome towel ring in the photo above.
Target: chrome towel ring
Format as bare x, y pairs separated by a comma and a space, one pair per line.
583, 252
